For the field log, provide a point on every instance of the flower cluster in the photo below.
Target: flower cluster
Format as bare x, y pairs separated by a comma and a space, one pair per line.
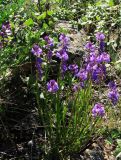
90, 46
98, 110
37, 51
73, 68
100, 37
52, 86
49, 47
113, 94
64, 41
95, 61
93, 69
39, 66
4, 33
62, 54
49, 41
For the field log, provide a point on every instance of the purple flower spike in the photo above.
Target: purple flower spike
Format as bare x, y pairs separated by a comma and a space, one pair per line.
112, 85
39, 66
62, 54
92, 57
100, 36
82, 75
89, 46
99, 73
104, 57
52, 86
98, 110
46, 38
64, 38
64, 67
113, 95
64, 41
36, 50
102, 46
73, 68
49, 41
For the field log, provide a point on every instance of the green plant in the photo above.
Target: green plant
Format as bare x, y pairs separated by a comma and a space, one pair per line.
9, 9
64, 101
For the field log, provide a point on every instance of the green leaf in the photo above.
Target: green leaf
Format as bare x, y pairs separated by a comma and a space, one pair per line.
42, 16
98, 18
29, 22
111, 3
98, 3
49, 13
12, 25
45, 26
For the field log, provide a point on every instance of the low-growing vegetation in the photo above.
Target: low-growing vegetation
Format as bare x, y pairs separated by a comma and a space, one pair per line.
57, 101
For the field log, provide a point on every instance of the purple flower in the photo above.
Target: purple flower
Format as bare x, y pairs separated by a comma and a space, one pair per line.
2, 34
90, 67
102, 46
89, 46
46, 38
82, 84
100, 36
76, 87
64, 67
99, 73
52, 86
64, 41
62, 54
95, 74
39, 66
63, 38
6, 28
36, 50
92, 57
104, 57
73, 68
49, 41
112, 85
98, 110
82, 75
113, 95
